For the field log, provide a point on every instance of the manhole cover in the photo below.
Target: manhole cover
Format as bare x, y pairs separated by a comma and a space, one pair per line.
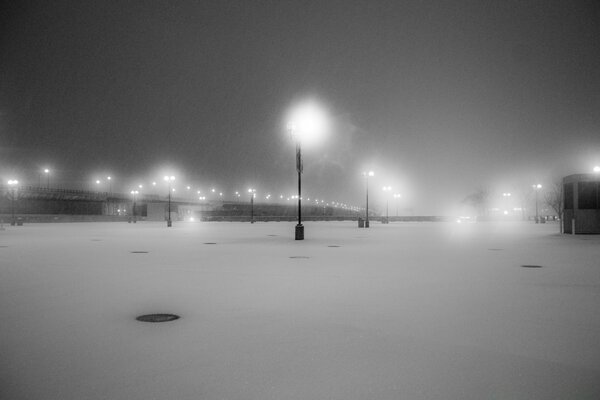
333, 245
209, 243
531, 266
299, 257
495, 249
157, 317
3, 246
140, 252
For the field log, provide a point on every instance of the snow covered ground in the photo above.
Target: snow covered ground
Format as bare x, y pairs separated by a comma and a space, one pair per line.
398, 311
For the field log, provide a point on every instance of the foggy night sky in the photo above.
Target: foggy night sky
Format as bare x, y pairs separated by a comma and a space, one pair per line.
438, 98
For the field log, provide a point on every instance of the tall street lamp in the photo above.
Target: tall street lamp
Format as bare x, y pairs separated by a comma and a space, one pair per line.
536, 188
387, 189
306, 122
252, 195
47, 172
506, 198
134, 193
367, 175
169, 179
397, 196
12, 183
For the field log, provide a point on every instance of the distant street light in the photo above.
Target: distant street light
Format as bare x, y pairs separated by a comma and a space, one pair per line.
169, 179
506, 197
536, 188
12, 183
397, 196
387, 189
134, 193
597, 169
252, 195
306, 122
367, 175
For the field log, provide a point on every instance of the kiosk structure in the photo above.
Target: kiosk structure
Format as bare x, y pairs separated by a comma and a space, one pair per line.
581, 204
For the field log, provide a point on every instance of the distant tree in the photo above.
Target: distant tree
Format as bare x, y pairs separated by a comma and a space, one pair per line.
554, 199
479, 201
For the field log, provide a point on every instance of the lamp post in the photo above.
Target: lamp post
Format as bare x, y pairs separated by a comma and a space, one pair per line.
299, 233
134, 193
397, 196
506, 198
252, 195
12, 183
387, 200
536, 188
47, 172
367, 175
307, 122
110, 205
169, 179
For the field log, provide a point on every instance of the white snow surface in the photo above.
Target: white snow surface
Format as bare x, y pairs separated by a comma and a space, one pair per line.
398, 311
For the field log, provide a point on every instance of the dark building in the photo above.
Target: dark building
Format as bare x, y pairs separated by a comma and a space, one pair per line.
581, 203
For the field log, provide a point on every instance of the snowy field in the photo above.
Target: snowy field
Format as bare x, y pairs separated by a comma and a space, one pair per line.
398, 311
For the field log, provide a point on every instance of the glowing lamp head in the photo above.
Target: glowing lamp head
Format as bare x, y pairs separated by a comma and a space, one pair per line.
597, 169
308, 122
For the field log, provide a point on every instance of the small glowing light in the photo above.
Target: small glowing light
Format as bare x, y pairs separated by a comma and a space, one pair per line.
140, 186
192, 219
188, 187
13, 182
597, 168
153, 183
505, 212
97, 181
46, 170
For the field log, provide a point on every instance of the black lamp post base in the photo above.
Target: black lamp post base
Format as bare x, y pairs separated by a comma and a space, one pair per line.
366, 223
299, 232
168, 223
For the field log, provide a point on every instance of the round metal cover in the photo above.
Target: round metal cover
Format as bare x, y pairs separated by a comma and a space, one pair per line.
139, 252
299, 257
531, 266
209, 243
157, 317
